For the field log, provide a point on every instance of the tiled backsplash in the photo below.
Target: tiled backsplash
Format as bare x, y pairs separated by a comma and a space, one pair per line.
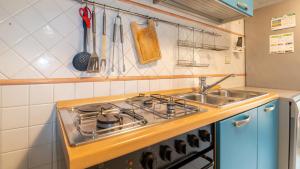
38, 39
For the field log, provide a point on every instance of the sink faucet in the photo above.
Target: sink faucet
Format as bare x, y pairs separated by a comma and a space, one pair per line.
204, 87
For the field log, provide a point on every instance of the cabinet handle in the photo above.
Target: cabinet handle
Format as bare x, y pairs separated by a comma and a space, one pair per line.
242, 123
269, 109
242, 6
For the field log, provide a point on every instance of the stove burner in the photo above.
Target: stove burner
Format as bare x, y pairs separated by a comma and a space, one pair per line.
94, 107
89, 108
148, 103
105, 121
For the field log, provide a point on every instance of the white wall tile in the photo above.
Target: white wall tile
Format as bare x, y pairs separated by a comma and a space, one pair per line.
29, 49
117, 88
101, 89
131, 86
30, 19
143, 85
165, 84
11, 32
63, 25
154, 85
40, 155
28, 73
14, 117
63, 52
14, 160
41, 114
84, 90
3, 46
46, 64
65, 4
48, 8
64, 91
39, 135
47, 36
15, 139
16, 95
11, 63
63, 72
40, 94
13, 6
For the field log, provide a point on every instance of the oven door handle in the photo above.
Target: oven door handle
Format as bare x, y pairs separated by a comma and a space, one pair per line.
210, 160
191, 157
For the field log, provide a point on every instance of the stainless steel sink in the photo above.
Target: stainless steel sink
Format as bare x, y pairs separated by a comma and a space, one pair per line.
242, 94
222, 98
209, 99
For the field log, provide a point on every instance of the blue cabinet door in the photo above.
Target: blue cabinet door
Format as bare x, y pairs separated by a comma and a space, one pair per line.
244, 6
268, 135
237, 141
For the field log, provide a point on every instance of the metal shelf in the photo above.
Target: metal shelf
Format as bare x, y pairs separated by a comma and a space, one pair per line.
186, 63
190, 44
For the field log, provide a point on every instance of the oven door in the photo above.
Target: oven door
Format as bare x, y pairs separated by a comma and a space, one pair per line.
197, 160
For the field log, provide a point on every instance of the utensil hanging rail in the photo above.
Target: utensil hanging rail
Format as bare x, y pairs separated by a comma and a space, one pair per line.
147, 17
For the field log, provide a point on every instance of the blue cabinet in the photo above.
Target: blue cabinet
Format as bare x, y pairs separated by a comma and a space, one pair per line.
268, 135
237, 141
244, 6
249, 140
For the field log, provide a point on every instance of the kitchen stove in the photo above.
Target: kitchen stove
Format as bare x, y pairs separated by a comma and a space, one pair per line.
88, 123
192, 150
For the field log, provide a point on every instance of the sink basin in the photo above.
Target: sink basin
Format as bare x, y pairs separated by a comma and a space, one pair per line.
222, 98
209, 99
242, 94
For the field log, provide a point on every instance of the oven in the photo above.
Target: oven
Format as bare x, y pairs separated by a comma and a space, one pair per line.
192, 150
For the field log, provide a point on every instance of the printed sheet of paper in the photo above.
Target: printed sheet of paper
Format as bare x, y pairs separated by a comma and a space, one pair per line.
282, 43
284, 22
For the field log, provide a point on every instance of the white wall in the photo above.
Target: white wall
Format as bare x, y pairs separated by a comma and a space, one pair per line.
49, 31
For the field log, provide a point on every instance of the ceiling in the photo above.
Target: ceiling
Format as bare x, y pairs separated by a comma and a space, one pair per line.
263, 3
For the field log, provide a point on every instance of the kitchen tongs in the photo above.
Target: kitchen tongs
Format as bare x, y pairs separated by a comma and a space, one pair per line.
103, 57
118, 18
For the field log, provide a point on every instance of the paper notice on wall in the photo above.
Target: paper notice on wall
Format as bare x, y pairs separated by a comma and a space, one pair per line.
282, 43
283, 22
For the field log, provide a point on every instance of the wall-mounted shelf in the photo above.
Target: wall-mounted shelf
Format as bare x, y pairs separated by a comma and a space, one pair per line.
187, 63
197, 45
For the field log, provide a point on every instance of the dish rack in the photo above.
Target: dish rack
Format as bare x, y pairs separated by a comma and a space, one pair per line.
190, 60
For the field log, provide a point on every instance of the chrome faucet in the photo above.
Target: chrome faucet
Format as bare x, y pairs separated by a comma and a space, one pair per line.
204, 87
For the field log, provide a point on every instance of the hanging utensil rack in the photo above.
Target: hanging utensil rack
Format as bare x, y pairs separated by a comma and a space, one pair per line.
145, 16
186, 61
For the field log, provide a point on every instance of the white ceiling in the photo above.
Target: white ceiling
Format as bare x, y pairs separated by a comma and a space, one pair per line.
263, 3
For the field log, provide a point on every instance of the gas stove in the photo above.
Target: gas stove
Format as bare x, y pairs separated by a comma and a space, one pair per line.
88, 123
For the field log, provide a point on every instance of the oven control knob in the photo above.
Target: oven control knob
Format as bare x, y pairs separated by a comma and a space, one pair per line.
193, 140
180, 146
204, 135
147, 160
165, 153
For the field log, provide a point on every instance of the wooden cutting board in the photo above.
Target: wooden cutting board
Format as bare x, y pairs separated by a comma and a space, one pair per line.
146, 42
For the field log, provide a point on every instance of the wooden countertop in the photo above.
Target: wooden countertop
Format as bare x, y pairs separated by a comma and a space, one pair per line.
100, 151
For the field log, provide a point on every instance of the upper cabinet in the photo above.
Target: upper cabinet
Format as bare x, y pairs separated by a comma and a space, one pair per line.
219, 11
244, 6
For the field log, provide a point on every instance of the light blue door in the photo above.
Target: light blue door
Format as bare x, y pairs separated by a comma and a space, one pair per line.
268, 135
237, 141
244, 6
